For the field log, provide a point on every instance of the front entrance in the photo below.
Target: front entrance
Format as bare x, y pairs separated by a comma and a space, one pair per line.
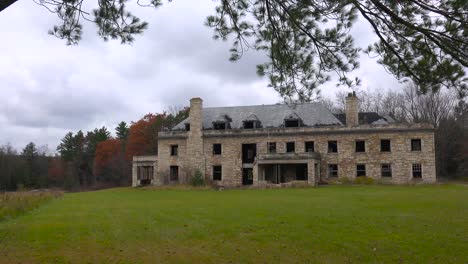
247, 176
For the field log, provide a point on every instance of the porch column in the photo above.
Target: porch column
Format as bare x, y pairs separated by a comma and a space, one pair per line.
311, 177
255, 174
134, 175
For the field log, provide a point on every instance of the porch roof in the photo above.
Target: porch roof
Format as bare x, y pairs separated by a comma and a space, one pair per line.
287, 158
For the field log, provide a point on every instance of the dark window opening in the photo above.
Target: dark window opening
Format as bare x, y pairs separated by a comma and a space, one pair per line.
417, 171
332, 170
174, 173
416, 144
249, 124
385, 145
249, 152
360, 170
360, 146
301, 172
174, 150
309, 146
219, 126
247, 176
217, 149
271, 147
386, 170
332, 146
290, 147
187, 127
217, 173
291, 123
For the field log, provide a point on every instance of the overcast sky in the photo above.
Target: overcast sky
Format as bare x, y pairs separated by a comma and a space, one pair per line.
48, 88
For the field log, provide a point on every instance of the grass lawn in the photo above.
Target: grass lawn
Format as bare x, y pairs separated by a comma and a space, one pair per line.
333, 224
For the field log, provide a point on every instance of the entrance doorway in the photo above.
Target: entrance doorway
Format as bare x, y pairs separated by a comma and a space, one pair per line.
247, 176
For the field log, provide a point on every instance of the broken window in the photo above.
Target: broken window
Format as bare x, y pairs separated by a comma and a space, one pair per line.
217, 149
174, 150
332, 170
417, 170
360, 170
385, 145
416, 144
360, 146
386, 170
271, 147
309, 146
290, 147
332, 146
217, 173
219, 126
174, 173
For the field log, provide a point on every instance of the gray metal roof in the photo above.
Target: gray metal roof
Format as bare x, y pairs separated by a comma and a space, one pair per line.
311, 114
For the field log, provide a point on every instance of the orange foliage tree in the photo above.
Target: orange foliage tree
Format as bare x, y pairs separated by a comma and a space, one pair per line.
109, 163
143, 136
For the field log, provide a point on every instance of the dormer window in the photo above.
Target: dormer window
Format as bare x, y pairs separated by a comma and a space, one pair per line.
251, 122
187, 126
219, 126
292, 120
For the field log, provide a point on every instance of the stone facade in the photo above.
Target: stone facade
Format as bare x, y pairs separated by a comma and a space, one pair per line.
195, 152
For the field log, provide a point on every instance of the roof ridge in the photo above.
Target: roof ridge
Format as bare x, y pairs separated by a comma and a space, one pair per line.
277, 104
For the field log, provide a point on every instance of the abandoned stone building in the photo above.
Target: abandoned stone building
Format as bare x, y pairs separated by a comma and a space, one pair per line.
282, 144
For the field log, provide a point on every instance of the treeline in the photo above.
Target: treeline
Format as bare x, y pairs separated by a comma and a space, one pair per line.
445, 109
90, 160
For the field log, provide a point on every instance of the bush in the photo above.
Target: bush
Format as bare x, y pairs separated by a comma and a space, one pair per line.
197, 179
345, 180
16, 203
364, 180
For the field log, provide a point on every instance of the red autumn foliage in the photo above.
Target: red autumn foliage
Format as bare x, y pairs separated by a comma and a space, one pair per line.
143, 136
106, 151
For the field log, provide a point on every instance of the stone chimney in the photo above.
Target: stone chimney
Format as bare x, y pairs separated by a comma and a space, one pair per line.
195, 155
352, 110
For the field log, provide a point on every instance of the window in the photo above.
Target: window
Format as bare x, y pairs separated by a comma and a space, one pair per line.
187, 126
417, 170
290, 147
416, 144
174, 150
360, 146
332, 146
271, 147
219, 126
217, 173
174, 173
332, 170
385, 145
360, 170
309, 146
291, 123
217, 149
386, 170
249, 124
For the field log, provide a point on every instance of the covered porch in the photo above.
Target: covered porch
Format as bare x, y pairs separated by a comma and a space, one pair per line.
144, 170
286, 168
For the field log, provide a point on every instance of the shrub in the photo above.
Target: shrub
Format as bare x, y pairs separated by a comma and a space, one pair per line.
345, 180
197, 179
16, 203
364, 180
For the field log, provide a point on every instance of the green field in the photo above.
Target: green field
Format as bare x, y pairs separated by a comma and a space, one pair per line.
332, 224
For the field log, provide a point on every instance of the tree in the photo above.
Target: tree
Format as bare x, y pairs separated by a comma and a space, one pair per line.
122, 131
309, 41
110, 164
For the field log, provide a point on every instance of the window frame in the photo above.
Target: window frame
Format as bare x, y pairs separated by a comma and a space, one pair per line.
215, 152
269, 147
307, 149
173, 176
413, 146
329, 148
389, 145
293, 144
363, 146
361, 170
413, 171
216, 173
330, 171
383, 172
174, 149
